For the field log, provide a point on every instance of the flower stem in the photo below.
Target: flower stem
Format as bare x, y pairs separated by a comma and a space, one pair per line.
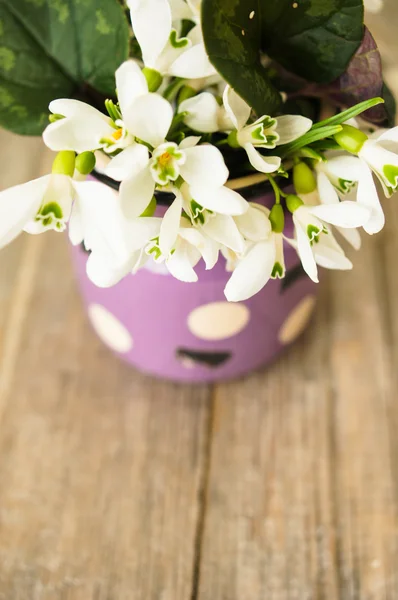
277, 190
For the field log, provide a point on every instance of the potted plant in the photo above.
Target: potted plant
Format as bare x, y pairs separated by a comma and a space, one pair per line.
210, 156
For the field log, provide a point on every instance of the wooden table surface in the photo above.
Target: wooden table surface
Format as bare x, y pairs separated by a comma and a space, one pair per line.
114, 486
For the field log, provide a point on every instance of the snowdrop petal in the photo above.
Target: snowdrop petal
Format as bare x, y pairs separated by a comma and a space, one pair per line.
136, 193
383, 162
264, 164
75, 225
180, 10
368, 196
327, 192
254, 224
252, 273
103, 273
220, 200
79, 133
181, 266
305, 253
291, 127
204, 167
75, 108
238, 110
190, 142
128, 162
345, 167
329, 255
150, 118
352, 236
344, 214
192, 64
170, 226
151, 21
130, 84
203, 111
18, 206
223, 229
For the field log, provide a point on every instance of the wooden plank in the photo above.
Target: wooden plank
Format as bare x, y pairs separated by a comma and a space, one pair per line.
302, 499
100, 467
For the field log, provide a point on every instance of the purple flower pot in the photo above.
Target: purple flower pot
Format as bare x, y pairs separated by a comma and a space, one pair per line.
188, 332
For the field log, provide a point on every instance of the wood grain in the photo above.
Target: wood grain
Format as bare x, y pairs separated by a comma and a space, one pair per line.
281, 486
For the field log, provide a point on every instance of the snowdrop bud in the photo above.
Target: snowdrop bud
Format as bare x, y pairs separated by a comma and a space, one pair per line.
186, 93
293, 203
277, 218
85, 162
154, 79
303, 179
64, 163
233, 139
150, 209
351, 139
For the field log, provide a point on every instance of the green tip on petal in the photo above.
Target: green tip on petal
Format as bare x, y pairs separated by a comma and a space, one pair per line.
150, 209
303, 178
293, 203
64, 163
351, 139
53, 118
85, 163
277, 218
154, 79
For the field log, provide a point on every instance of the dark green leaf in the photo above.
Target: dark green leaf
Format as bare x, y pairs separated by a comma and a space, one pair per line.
315, 39
233, 42
56, 48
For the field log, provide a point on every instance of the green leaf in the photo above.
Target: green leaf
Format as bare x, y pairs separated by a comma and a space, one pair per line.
315, 39
314, 135
350, 113
233, 41
54, 49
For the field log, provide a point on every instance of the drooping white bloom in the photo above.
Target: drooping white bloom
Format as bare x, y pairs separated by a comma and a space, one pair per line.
342, 172
181, 253
83, 128
266, 133
163, 50
204, 114
263, 258
210, 211
201, 167
314, 241
381, 155
80, 127
114, 242
35, 207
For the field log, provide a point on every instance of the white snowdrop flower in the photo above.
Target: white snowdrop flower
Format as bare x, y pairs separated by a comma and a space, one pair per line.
314, 241
264, 256
201, 167
162, 49
204, 114
266, 133
114, 242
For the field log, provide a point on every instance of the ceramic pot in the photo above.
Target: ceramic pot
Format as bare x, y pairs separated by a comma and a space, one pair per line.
188, 332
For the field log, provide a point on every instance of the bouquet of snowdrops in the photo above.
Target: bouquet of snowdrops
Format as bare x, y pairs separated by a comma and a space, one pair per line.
176, 99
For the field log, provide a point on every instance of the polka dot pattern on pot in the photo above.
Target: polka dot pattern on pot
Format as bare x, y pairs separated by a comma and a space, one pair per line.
109, 329
218, 320
297, 320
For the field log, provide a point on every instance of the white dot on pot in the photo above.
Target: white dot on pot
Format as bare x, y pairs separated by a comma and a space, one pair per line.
297, 321
109, 329
218, 320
